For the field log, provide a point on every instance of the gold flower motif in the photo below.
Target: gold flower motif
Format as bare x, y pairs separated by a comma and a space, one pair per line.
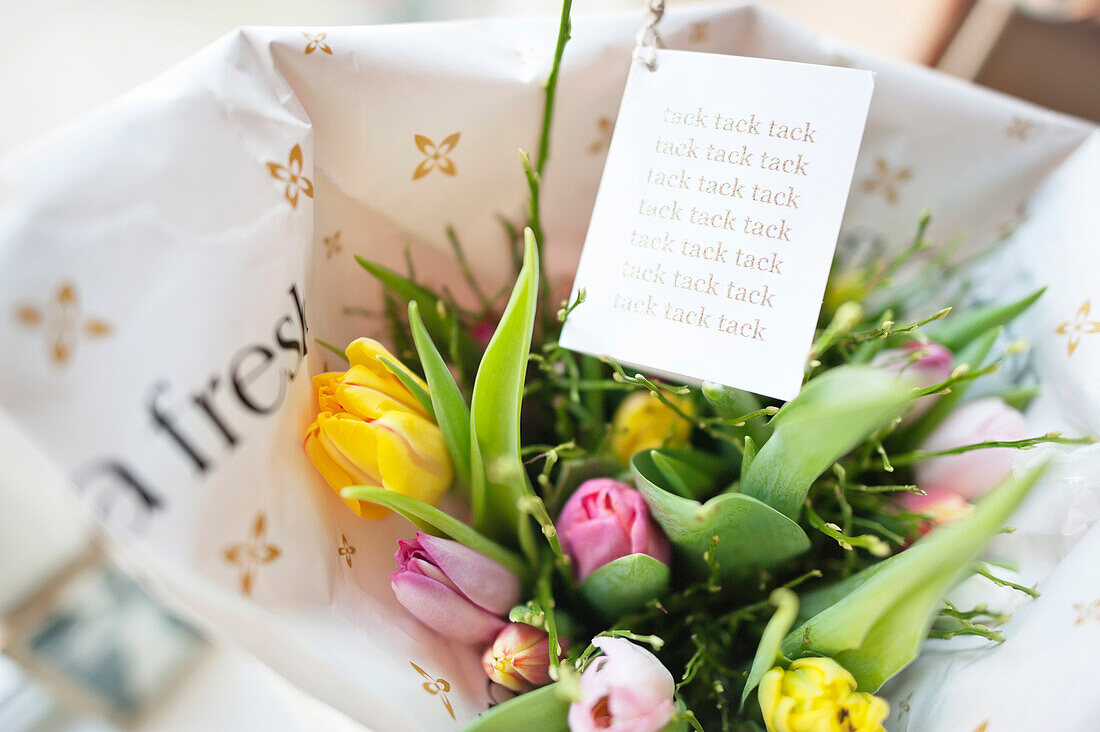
904, 706
1080, 325
435, 156
63, 322
332, 245
1008, 228
435, 686
291, 174
700, 32
252, 553
1086, 613
346, 550
604, 127
1019, 128
316, 43
886, 180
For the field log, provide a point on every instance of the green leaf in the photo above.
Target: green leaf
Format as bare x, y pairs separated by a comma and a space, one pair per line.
973, 356
733, 403
544, 709
874, 622
625, 584
750, 533
431, 305
955, 332
451, 413
682, 478
411, 384
748, 456
768, 650
833, 414
433, 521
499, 480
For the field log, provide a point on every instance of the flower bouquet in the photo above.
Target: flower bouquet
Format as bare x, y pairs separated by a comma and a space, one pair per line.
632, 554
516, 535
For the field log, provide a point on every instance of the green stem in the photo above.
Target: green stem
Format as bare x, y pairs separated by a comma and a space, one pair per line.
1049, 438
551, 86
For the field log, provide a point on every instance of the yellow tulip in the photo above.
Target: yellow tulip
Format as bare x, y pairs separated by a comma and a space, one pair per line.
643, 422
818, 695
371, 430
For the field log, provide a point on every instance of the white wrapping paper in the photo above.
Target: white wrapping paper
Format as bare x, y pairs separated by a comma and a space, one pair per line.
153, 258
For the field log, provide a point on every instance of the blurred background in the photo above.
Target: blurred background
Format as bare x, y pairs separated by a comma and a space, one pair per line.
84, 647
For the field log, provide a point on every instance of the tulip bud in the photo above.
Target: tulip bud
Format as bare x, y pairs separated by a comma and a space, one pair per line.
605, 520
938, 506
644, 422
813, 694
926, 363
519, 657
371, 430
454, 590
971, 474
627, 688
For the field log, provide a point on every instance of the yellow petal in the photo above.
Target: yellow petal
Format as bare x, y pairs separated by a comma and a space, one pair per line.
352, 443
364, 352
643, 422
330, 470
325, 386
368, 395
768, 694
412, 457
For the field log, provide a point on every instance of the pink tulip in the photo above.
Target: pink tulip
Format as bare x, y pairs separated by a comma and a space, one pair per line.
971, 474
625, 690
932, 366
605, 520
519, 657
454, 590
938, 505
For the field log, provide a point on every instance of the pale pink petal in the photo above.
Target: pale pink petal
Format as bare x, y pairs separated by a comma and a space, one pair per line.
442, 610
485, 582
972, 474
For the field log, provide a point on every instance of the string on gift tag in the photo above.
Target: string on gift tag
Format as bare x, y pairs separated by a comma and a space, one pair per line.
648, 39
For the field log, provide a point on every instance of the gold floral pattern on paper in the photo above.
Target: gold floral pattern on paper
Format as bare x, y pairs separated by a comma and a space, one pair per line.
904, 706
291, 175
604, 127
1079, 326
982, 727
346, 550
1007, 228
1086, 613
252, 553
1019, 128
333, 245
317, 43
63, 322
436, 687
436, 157
700, 32
886, 180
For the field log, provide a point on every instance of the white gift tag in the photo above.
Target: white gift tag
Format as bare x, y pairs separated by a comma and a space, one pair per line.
717, 216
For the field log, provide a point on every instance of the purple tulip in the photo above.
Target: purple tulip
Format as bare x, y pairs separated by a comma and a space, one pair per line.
454, 590
605, 520
931, 366
625, 690
971, 474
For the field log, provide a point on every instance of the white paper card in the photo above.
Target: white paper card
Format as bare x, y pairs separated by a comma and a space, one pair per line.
717, 216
